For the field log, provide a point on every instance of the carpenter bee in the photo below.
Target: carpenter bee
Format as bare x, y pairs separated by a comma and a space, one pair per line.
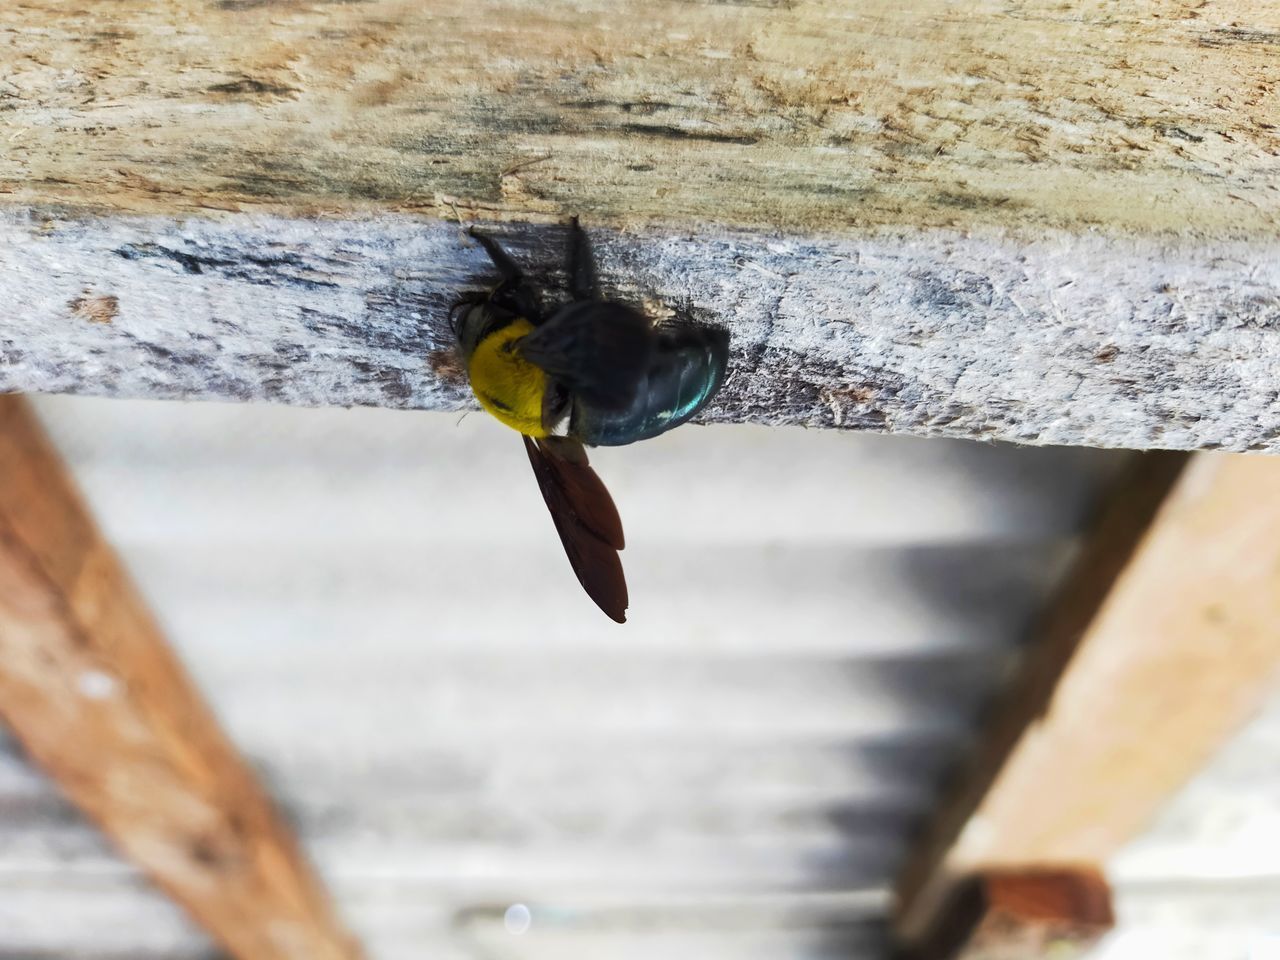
592, 372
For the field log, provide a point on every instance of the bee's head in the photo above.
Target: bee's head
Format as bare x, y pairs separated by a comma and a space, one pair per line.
471, 320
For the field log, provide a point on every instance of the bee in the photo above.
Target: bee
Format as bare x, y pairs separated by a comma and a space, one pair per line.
591, 372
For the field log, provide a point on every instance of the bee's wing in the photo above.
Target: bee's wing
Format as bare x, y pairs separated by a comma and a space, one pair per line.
585, 518
598, 349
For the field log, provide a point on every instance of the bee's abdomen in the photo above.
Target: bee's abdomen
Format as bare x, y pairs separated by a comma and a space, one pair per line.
686, 369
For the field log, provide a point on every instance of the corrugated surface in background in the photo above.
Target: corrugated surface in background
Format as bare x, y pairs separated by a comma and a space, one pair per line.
378, 608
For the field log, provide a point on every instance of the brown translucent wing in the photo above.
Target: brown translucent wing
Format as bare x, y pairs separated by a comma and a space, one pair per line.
585, 518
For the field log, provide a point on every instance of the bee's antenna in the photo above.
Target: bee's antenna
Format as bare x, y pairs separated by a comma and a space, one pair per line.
462, 226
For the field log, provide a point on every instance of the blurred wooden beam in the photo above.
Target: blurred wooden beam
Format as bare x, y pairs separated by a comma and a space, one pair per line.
816, 117
1018, 915
1163, 641
934, 334
99, 701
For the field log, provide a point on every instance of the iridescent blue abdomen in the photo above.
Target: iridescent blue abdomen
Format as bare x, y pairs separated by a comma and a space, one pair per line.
687, 368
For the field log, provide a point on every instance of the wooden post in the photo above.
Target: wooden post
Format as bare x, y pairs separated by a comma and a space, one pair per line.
1166, 638
994, 220
96, 697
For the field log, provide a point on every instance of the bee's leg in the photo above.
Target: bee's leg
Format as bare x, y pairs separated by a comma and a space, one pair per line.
506, 266
582, 269
513, 292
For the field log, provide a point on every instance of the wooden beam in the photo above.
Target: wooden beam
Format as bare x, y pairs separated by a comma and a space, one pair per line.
1154, 116
91, 690
964, 336
1001, 220
1016, 915
1165, 639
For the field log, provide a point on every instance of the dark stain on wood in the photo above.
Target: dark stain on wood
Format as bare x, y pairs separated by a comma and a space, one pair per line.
1225, 36
972, 201
239, 6
191, 263
667, 132
393, 382
1178, 133
248, 86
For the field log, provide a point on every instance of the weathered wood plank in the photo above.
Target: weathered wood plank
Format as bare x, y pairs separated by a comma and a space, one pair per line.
1153, 115
1066, 339
1133, 689
1107, 178
98, 700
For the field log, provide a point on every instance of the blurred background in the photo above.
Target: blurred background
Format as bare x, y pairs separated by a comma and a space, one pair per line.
482, 766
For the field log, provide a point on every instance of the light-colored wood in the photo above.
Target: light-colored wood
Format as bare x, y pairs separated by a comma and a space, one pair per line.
1124, 517
1149, 115
92, 692
1184, 648
994, 219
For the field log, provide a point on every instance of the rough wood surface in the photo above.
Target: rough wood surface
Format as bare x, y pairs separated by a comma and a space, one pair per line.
1183, 650
1008, 220
90, 689
814, 115
1065, 339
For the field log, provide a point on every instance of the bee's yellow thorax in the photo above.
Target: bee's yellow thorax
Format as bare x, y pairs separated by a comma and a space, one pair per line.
508, 386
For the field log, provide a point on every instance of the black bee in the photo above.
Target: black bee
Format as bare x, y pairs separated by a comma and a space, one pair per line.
593, 372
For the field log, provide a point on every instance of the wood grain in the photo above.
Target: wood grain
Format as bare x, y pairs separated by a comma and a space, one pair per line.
1180, 652
96, 698
1084, 339
995, 219
1148, 116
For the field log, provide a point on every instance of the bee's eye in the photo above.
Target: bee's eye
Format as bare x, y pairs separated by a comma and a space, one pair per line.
494, 401
456, 313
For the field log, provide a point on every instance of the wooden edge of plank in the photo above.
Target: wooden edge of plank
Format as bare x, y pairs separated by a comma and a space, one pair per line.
1013, 915
95, 696
1122, 520
927, 332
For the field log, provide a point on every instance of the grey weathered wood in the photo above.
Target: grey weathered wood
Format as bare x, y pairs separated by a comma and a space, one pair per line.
1072, 338
1005, 219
